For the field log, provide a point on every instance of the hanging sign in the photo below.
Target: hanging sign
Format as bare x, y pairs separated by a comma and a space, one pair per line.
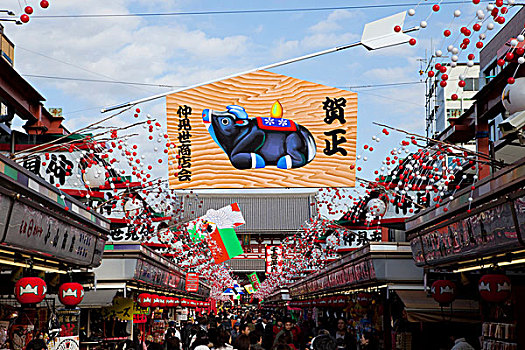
192, 282
254, 280
262, 129
121, 309
274, 259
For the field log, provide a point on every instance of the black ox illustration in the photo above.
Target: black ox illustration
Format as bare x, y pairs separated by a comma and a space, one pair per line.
257, 142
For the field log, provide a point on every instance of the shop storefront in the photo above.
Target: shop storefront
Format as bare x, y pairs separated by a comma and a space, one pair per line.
359, 288
49, 243
138, 292
478, 247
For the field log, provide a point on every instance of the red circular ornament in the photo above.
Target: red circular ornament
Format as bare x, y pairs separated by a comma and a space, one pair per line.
454, 97
476, 27
28, 10
44, 4
144, 300
443, 291
475, 2
494, 288
509, 56
412, 41
30, 290
397, 29
444, 77
462, 83
520, 51
24, 18
447, 33
71, 294
471, 56
479, 44
442, 83
511, 80
435, 8
501, 62
431, 73
443, 69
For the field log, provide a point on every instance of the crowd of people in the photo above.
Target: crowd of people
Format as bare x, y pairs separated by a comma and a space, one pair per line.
259, 331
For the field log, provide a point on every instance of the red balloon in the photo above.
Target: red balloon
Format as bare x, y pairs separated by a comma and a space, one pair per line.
501, 62
479, 44
44, 4
454, 97
447, 33
442, 83
520, 51
71, 294
476, 27
24, 18
435, 8
28, 10
443, 291
30, 290
511, 80
509, 56
412, 41
397, 29
494, 288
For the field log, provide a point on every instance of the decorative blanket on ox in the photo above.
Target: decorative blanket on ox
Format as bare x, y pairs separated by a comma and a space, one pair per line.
261, 141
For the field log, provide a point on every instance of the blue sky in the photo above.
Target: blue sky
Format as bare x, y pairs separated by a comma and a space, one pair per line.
183, 50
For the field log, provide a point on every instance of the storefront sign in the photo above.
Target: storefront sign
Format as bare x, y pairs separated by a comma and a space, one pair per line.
192, 282
360, 272
121, 309
65, 343
69, 320
262, 129
32, 229
489, 231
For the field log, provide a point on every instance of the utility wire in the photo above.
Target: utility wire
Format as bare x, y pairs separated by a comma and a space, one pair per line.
180, 86
235, 12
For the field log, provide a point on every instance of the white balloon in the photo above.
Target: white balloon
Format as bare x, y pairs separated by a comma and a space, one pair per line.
470, 63
490, 7
453, 64
455, 51
482, 36
423, 24
514, 96
457, 13
511, 2
411, 12
461, 77
490, 26
521, 60
450, 47
454, 58
439, 53
480, 14
520, 38
513, 42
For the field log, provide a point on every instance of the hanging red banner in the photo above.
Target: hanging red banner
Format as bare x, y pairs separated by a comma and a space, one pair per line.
192, 282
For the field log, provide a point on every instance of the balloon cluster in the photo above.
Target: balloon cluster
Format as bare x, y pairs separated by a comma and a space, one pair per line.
29, 10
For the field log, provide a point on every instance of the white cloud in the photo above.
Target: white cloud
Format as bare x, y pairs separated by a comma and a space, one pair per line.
332, 22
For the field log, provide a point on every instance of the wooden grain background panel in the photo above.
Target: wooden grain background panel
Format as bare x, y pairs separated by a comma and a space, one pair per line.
302, 102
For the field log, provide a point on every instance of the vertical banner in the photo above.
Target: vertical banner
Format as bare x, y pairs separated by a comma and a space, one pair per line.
274, 259
192, 282
262, 130
254, 279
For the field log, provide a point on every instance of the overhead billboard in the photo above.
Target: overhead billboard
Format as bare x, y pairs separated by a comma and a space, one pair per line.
262, 130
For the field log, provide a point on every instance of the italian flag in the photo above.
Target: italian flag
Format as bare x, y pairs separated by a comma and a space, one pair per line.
217, 228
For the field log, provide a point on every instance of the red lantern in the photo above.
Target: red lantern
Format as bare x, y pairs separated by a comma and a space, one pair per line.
144, 299
183, 302
162, 300
30, 290
494, 288
443, 291
71, 294
155, 300
176, 302
364, 299
170, 302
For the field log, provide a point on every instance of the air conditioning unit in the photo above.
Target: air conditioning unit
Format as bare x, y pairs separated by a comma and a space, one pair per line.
514, 124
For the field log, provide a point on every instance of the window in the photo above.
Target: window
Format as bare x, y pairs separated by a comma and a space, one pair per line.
471, 84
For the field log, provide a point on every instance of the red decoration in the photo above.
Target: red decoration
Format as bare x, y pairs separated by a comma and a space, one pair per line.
155, 300
144, 299
443, 291
24, 18
397, 29
364, 299
435, 8
454, 97
494, 288
30, 290
511, 80
44, 4
28, 10
71, 294
412, 41
162, 300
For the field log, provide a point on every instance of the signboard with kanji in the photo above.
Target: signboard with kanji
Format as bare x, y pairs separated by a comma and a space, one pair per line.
262, 129
192, 282
274, 259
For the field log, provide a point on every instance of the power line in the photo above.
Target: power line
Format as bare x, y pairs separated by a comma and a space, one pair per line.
236, 12
101, 81
180, 86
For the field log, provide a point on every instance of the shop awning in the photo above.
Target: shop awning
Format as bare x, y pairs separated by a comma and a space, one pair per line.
422, 308
98, 298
